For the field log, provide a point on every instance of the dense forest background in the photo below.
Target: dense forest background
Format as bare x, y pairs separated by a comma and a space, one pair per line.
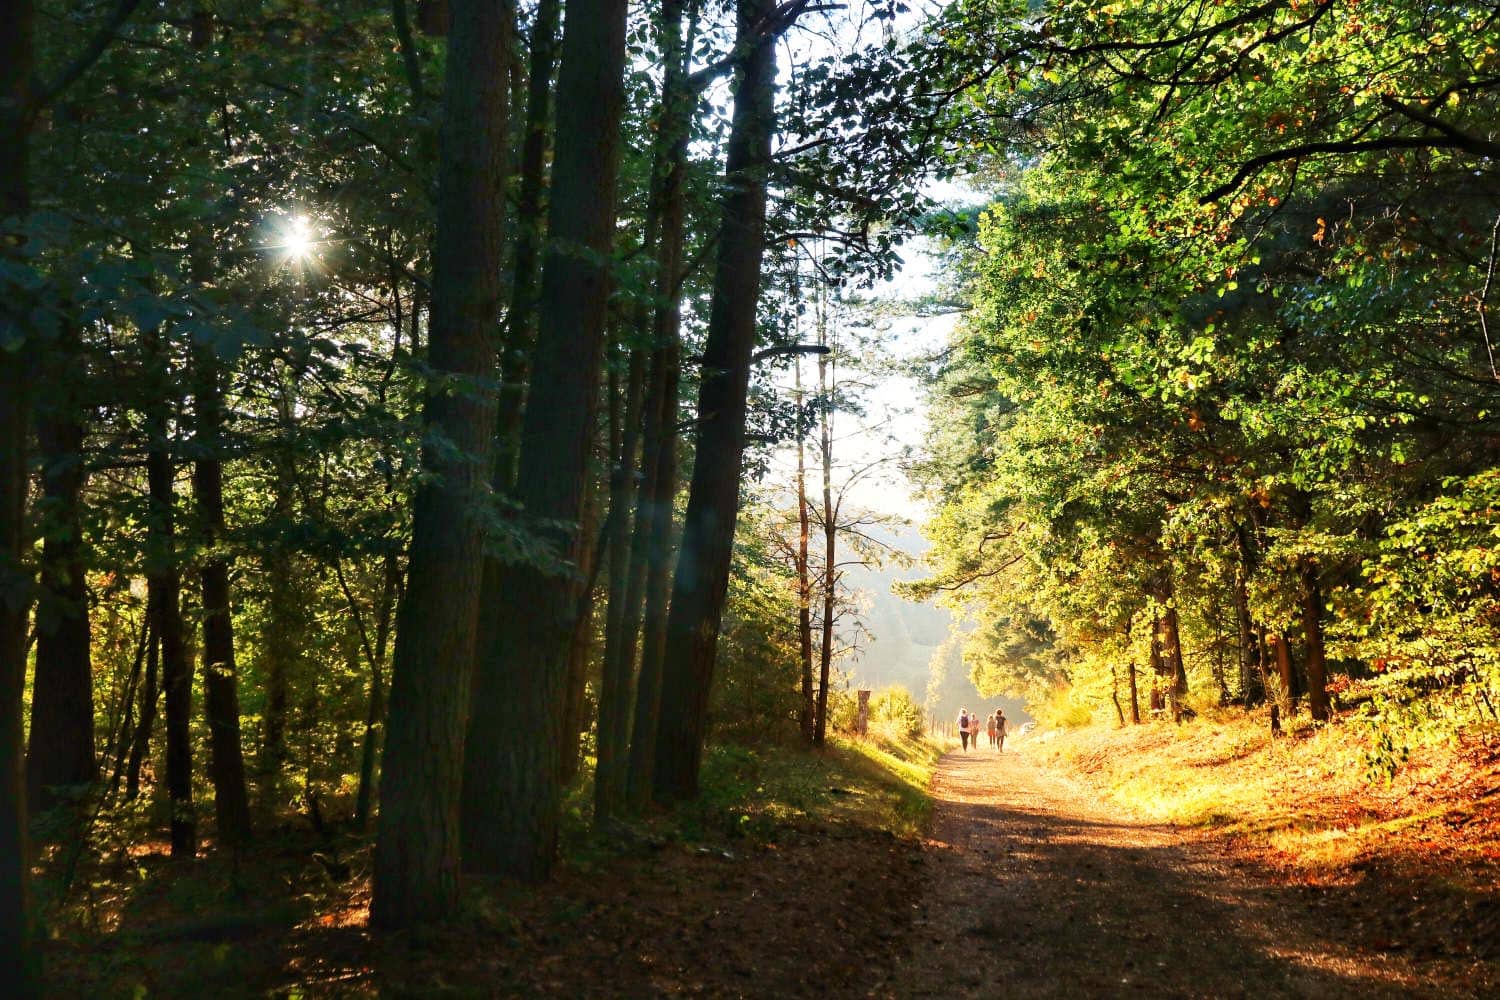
387, 396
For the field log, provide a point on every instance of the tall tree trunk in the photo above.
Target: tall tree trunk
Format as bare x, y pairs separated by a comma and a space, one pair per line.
417, 844
375, 707
279, 650
61, 751
164, 577
140, 739
119, 749
652, 546
1215, 611
512, 791
1286, 674
804, 577
1172, 654
1252, 670
1160, 672
221, 701
656, 526
1312, 635
616, 687
17, 959
581, 644
281, 638
1173, 651
830, 529
1135, 701
702, 578
520, 322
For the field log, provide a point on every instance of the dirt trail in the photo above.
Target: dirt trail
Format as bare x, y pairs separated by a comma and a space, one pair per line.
1032, 889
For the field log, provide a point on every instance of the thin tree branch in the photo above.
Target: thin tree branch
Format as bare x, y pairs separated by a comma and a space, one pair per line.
96, 47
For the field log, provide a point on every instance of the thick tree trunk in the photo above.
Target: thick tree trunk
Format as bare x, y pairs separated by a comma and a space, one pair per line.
702, 578
1135, 701
17, 960
221, 701
16, 957
617, 688
1312, 635
1160, 672
417, 846
512, 787
1286, 674
520, 321
1173, 652
61, 751
652, 546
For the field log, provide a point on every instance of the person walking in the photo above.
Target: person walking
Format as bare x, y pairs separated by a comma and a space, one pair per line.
990, 726
1000, 731
963, 728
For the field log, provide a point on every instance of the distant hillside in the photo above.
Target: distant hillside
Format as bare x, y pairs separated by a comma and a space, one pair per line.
905, 636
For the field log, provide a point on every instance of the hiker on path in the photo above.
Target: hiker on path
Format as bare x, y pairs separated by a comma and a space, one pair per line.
991, 727
963, 728
1000, 731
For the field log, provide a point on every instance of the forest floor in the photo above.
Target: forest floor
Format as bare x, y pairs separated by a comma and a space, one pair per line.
1043, 872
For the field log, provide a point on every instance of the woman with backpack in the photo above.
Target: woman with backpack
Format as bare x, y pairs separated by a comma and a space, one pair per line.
963, 728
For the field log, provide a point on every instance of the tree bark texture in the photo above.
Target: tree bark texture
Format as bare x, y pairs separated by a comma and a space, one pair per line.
16, 956
702, 578
164, 578
221, 700
416, 876
375, 708
1286, 673
512, 788
617, 686
61, 750
1312, 637
520, 321
652, 547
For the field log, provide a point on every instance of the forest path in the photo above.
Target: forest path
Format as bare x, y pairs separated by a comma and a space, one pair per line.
1033, 889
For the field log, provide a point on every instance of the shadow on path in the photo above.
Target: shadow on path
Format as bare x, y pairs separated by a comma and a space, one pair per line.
1032, 889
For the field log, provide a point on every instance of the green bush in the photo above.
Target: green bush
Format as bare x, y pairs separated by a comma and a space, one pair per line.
896, 714
1063, 710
